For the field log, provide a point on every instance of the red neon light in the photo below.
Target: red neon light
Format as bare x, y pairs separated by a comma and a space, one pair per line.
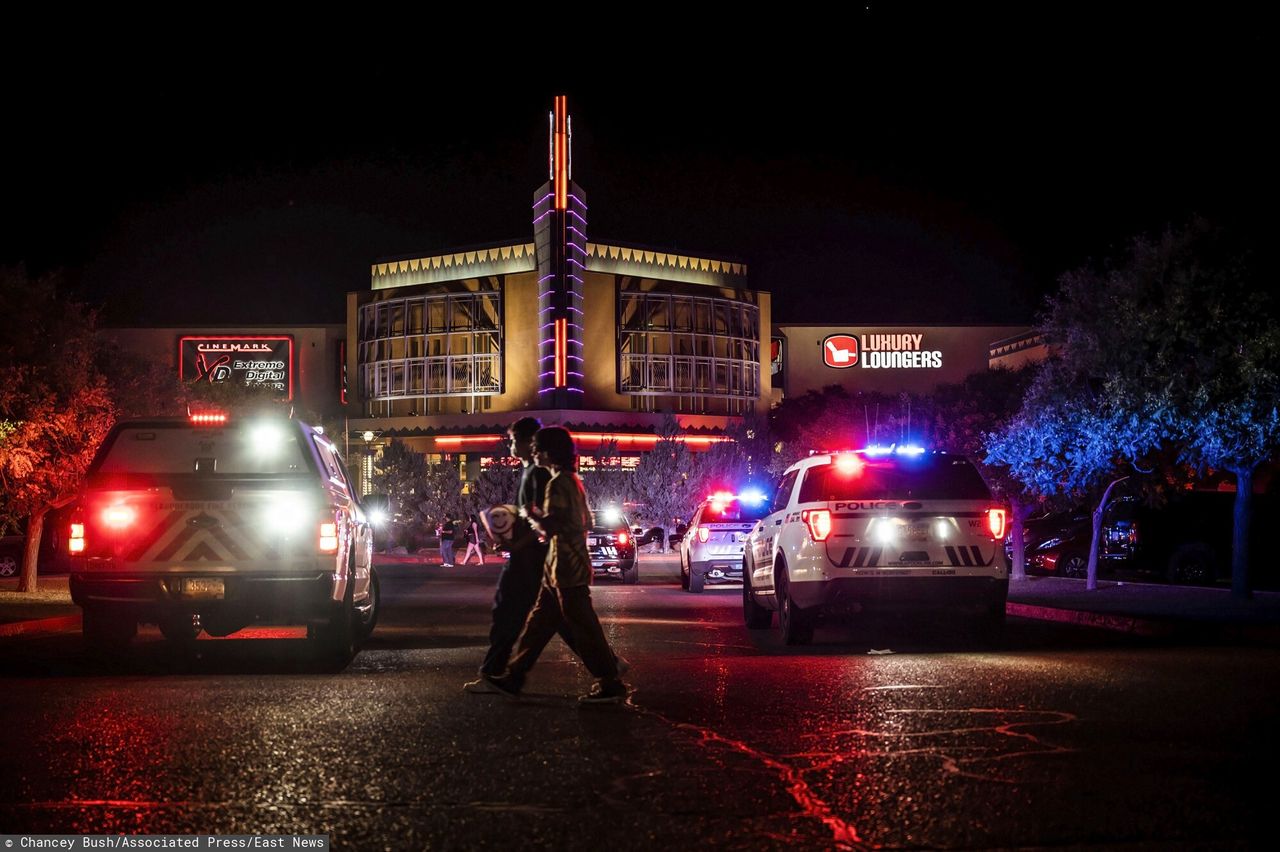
562, 153
591, 439
562, 345
194, 337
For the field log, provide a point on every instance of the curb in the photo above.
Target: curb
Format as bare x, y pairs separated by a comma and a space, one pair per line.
1119, 623
40, 625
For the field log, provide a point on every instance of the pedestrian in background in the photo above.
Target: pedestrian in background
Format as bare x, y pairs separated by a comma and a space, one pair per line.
565, 596
473, 540
445, 530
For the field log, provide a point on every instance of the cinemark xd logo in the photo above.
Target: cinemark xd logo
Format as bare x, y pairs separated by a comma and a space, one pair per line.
840, 350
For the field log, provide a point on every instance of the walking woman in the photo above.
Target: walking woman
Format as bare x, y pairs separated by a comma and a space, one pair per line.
565, 596
473, 541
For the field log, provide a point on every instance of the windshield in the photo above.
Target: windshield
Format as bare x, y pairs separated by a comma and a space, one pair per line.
261, 447
928, 478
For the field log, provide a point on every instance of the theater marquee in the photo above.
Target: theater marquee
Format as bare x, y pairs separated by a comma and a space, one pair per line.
253, 361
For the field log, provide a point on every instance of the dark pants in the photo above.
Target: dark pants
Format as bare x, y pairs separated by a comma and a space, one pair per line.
518, 585
446, 551
557, 609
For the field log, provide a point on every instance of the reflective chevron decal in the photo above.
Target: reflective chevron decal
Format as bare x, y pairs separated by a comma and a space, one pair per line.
966, 555
196, 535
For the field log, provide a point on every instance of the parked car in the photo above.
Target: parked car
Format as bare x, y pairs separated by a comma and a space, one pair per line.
11, 547
612, 546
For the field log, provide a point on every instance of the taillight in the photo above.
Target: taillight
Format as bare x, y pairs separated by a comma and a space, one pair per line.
623, 538
819, 523
328, 537
75, 541
703, 534
995, 523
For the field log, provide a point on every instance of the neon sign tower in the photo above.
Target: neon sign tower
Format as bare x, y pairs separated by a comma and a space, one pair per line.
560, 240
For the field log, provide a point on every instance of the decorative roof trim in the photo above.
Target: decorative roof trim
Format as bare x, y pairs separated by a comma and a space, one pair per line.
648, 263
474, 263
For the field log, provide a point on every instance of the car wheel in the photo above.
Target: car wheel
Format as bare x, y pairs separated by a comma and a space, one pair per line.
367, 615
180, 628
755, 616
684, 574
1193, 564
796, 625
630, 576
1073, 565
104, 630
335, 639
696, 580
8, 565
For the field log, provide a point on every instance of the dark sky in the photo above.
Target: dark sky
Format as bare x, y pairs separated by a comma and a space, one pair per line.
915, 164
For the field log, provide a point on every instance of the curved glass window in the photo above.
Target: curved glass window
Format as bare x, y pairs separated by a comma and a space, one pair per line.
688, 346
437, 345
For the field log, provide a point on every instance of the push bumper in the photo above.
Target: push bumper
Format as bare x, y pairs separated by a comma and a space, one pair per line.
726, 570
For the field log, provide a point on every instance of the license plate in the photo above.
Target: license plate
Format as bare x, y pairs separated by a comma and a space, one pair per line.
203, 587
917, 532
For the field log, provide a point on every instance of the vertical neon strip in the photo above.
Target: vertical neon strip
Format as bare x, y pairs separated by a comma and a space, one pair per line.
562, 154
562, 347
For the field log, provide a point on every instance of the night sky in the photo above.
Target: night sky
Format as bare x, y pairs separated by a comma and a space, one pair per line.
914, 166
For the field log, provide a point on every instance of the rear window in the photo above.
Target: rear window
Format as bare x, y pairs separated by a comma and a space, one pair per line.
248, 448
926, 478
609, 519
735, 510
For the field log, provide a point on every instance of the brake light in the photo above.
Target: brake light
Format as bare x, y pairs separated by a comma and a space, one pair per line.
819, 523
119, 517
328, 537
623, 538
703, 534
75, 541
209, 419
995, 523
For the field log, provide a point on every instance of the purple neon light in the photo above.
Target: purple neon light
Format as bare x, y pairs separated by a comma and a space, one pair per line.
543, 216
544, 198
579, 200
575, 215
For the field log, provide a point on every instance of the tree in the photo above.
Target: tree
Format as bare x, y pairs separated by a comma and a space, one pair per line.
55, 404
419, 493
665, 482
607, 483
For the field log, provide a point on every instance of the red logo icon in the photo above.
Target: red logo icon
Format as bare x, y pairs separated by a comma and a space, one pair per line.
840, 350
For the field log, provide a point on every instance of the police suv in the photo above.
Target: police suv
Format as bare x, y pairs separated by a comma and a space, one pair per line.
711, 549
213, 523
892, 529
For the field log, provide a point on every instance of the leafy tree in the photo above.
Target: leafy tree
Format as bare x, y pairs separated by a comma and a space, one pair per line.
419, 493
608, 483
55, 404
498, 483
665, 481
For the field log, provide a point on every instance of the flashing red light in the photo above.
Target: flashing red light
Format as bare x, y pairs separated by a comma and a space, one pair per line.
703, 534
209, 419
328, 537
119, 517
849, 464
75, 540
623, 538
819, 523
995, 522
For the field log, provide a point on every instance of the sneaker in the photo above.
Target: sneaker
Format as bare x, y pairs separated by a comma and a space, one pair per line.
480, 686
623, 664
612, 692
507, 686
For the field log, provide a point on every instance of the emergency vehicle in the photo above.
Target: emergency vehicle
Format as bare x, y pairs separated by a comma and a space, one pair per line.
885, 529
211, 523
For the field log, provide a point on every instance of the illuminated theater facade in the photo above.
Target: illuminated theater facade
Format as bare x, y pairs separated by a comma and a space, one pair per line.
603, 338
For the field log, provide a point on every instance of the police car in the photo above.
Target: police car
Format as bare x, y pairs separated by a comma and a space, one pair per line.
210, 523
893, 529
711, 549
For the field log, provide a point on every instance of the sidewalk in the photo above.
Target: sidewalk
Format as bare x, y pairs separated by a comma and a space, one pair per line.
1142, 609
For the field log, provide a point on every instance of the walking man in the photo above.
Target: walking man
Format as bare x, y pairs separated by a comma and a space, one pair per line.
564, 599
445, 531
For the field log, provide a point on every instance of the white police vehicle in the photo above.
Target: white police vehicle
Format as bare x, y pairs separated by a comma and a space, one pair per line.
893, 529
711, 549
212, 523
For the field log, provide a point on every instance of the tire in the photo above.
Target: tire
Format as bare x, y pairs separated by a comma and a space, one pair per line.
1193, 564
684, 574
755, 616
335, 639
631, 576
104, 630
696, 580
8, 565
367, 620
795, 623
180, 629
1073, 564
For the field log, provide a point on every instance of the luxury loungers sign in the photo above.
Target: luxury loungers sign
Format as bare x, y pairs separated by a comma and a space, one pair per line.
879, 352
256, 361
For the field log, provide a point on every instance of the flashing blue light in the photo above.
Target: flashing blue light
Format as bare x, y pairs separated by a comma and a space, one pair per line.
878, 450
752, 497
911, 450
894, 450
